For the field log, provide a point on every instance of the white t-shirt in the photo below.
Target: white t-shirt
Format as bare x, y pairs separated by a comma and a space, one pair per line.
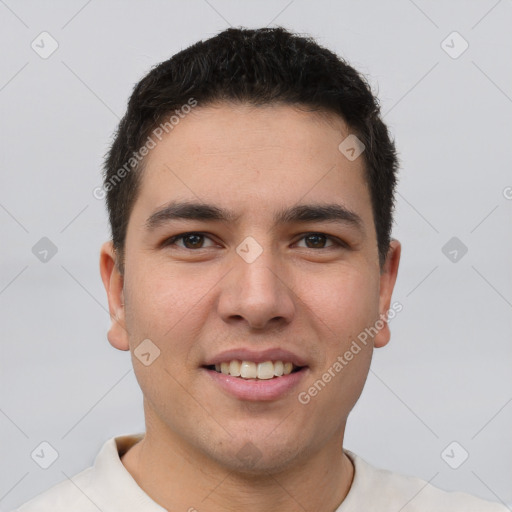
109, 487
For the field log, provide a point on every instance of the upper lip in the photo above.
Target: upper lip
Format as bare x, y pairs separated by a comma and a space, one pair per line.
256, 356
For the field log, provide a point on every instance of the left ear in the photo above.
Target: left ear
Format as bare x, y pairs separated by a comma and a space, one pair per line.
387, 283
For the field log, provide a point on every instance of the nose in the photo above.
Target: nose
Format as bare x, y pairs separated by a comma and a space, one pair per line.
257, 293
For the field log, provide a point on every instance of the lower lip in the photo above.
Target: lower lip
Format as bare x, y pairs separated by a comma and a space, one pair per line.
256, 389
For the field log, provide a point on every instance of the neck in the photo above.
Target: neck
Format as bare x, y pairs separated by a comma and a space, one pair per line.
177, 477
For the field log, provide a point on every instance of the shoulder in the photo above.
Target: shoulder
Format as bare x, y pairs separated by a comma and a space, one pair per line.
384, 490
106, 485
71, 494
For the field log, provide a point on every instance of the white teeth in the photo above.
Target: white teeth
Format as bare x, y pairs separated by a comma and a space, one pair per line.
234, 368
265, 370
250, 370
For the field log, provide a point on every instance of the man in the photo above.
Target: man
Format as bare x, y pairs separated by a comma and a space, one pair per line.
250, 191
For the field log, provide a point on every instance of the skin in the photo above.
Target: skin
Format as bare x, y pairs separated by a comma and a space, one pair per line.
194, 303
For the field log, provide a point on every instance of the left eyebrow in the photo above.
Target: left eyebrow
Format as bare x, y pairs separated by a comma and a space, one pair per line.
303, 213
332, 212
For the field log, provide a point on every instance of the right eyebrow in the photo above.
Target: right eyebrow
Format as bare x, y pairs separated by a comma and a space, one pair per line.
190, 211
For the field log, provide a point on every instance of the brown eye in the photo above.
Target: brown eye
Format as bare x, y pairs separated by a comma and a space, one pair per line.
317, 241
193, 241
188, 241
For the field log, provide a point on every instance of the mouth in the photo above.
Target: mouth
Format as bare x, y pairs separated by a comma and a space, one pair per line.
251, 370
265, 380
256, 375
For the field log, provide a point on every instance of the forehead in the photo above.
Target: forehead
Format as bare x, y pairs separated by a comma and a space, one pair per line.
254, 158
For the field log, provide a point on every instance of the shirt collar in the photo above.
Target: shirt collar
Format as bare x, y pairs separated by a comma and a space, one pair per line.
116, 488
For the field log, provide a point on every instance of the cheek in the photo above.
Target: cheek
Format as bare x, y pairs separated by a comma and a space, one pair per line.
162, 300
345, 301
161, 307
343, 308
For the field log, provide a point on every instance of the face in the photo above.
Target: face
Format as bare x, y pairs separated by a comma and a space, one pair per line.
266, 273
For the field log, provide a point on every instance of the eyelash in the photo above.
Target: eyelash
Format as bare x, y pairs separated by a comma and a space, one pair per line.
335, 240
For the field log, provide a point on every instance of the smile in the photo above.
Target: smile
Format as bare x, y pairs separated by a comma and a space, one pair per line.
250, 370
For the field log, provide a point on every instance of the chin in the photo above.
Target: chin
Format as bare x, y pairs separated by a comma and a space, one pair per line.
257, 456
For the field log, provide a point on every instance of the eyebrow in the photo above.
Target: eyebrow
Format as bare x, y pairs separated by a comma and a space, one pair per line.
188, 210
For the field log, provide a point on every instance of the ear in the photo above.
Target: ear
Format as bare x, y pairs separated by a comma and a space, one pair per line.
113, 282
387, 283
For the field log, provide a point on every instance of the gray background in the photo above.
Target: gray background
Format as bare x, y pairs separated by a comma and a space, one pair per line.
444, 377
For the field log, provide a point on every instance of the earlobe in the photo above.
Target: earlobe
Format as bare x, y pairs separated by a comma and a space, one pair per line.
387, 283
113, 282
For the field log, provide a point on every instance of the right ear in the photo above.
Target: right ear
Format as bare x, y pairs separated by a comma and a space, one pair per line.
113, 282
